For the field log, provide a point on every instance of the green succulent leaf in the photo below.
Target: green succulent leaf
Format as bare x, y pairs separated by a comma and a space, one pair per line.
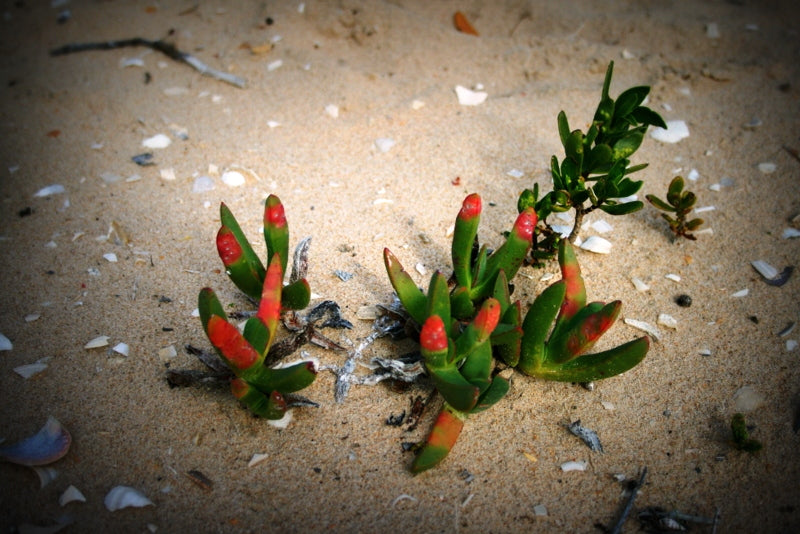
241, 263
439, 298
644, 115
496, 391
284, 379
628, 145
407, 291
271, 406
674, 191
466, 230
658, 203
622, 209
630, 99
563, 129
296, 296
456, 390
598, 366
537, 324
208, 304
276, 230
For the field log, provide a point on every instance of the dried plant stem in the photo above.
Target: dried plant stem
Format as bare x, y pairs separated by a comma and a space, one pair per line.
160, 46
629, 505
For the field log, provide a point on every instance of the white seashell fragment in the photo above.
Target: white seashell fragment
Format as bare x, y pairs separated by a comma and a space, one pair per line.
703, 209
45, 447
676, 130
168, 174
233, 178
273, 124
764, 269
125, 497
384, 144
54, 189
421, 269
791, 344
417, 104
275, 65
167, 353
790, 233
640, 285
131, 62
257, 459
46, 474
31, 369
122, 348
368, 313
110, 257
71, 494
712, 30
5, 343
715, 187
332, 110
668, 321
202, 184
645, 327
693, 175
96, 343
467, 97
673, 277
747, 399
704, 352
515, 173
32, 317
596, 244
283, 422
601, 226
157, 141
574, 466
540, 510
607, 405
741, 293
767, 167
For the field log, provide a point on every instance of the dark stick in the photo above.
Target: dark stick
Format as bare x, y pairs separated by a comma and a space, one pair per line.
165, 48
629, 505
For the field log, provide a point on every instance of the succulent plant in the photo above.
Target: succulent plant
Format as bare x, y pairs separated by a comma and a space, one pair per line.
244, 266
259, 387
459, 325
594, 173
578, 325
680, 203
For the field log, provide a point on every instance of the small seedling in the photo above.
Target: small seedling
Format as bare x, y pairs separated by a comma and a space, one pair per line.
680, 203
741, 438
594, 173
259, 387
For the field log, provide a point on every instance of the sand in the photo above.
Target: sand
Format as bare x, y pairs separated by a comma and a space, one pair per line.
77, 120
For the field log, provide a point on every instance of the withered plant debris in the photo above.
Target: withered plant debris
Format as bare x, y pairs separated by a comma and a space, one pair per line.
143, 160
160, 45
587, 435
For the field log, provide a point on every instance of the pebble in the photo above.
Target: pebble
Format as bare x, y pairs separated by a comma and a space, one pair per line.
791, 344
332, 110
167, 174
676, 130
157, 141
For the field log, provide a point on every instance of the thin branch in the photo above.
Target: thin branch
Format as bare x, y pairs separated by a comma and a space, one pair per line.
629, 505
160, 46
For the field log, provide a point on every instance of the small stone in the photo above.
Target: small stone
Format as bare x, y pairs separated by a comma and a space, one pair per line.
167, 353
767, 167
675, 131
684, 301
233, 178
639, 285
467, 97
668, 321
157, 141
332, 110
384, 144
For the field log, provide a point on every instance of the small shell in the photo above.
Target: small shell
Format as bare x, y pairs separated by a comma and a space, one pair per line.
96, 343
639, 285
122, 348
789, 233
257, 459
673, 277
403, 497
46, 446
741, 293
54, 189
46, 474
125, 497
157, 141
574, 466
384, 144
5, 343
764, 269
668, 321
27, 371
233, 178
676, 130
646, 327
283, 422
540, 510
598, 245
71, 494
467, 97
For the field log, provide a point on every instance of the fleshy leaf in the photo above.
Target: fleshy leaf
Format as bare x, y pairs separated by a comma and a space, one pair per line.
455, 389
269, 407
296, 295
241, 263
583, 331
536, 326
284, 379
598, 366
410, 295
466, 228
231, 345
276, 231
496, 391
440, 441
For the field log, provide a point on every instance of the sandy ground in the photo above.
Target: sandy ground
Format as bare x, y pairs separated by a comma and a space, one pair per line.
77, 120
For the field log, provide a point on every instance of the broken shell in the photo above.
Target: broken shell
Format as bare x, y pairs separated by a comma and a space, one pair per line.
27, 371
46, 474
639, 285
96, 343
668, 321
467, 97
71, 494
598, 245
283, 422
5, 343
646, 327
676, 130
157, 141
125, 497
574, 466
764, 269
46, 446
122, 348
257, 459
